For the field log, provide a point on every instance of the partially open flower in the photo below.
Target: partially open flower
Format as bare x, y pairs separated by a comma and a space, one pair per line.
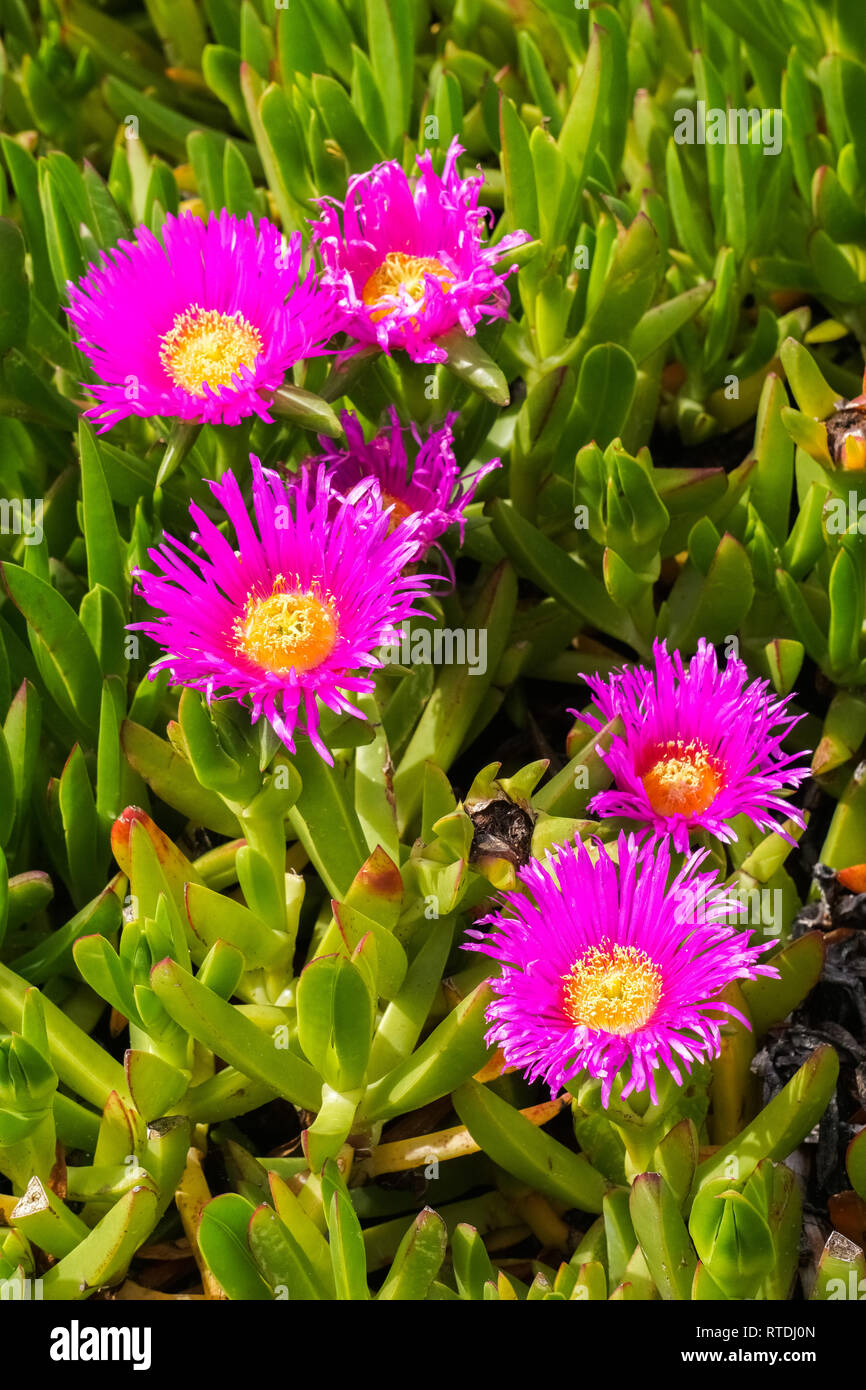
408, 257
846, 435
608, 968
699, 747
201, 323
429, 493
290, 618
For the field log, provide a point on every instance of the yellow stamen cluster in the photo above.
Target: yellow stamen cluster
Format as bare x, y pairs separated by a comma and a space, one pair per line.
206, 345
400, 269
614, 988
399, 510
684, 779
289, 630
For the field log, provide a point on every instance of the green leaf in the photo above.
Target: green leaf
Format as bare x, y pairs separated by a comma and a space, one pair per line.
305, 409
155, 1085
7, 792
799, 116
837, 275
554, 571
524, 1150
281, 146
310, 1247
352, 926
418, 1259
240, 193
348, 1254
390, 42
66, 659
676, 1158
836, 211
81, 829
206, 156
538, 435
663, 1237
713, 605
99, 964
458, 694
343, 124
845, 592
811, 391
277, 1257
105, 221
754, 24
784, 1123
214, 917
690, 220
472, 1266
731, 1237
402, 1021
585, 115
325, 821
799, 965
621, 291
452, 1053
374, 802
605, 390
521, 199
104, 1255
367, 99
223, 1241
771, 482
299, 45
234, 1037
161, 127
335, 1020
855, 1163
472, 365
660, 323
24, 174
14, 288
102, 916
174, 781
537, 75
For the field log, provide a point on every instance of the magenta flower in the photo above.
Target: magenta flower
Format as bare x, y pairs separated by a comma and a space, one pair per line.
407, 256
288, 619
607, 968
430, 495
201, 323
699, 746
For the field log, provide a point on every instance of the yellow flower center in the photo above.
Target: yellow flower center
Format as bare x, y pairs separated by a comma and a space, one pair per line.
290, 630
399, 268
614, 988
683, 780
206, 345
399, 510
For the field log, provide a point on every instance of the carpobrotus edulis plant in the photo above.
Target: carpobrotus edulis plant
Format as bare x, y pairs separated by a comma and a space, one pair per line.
200, 323
701, 744
407, 257
294, 615
604, 968
430, 492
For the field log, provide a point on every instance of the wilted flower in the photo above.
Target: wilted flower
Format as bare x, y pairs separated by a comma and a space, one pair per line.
430, 494
201, 323
408, 259
290, 617
700, 746
610, 969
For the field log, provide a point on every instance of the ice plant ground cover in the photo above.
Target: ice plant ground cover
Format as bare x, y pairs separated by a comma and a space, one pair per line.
432, 660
